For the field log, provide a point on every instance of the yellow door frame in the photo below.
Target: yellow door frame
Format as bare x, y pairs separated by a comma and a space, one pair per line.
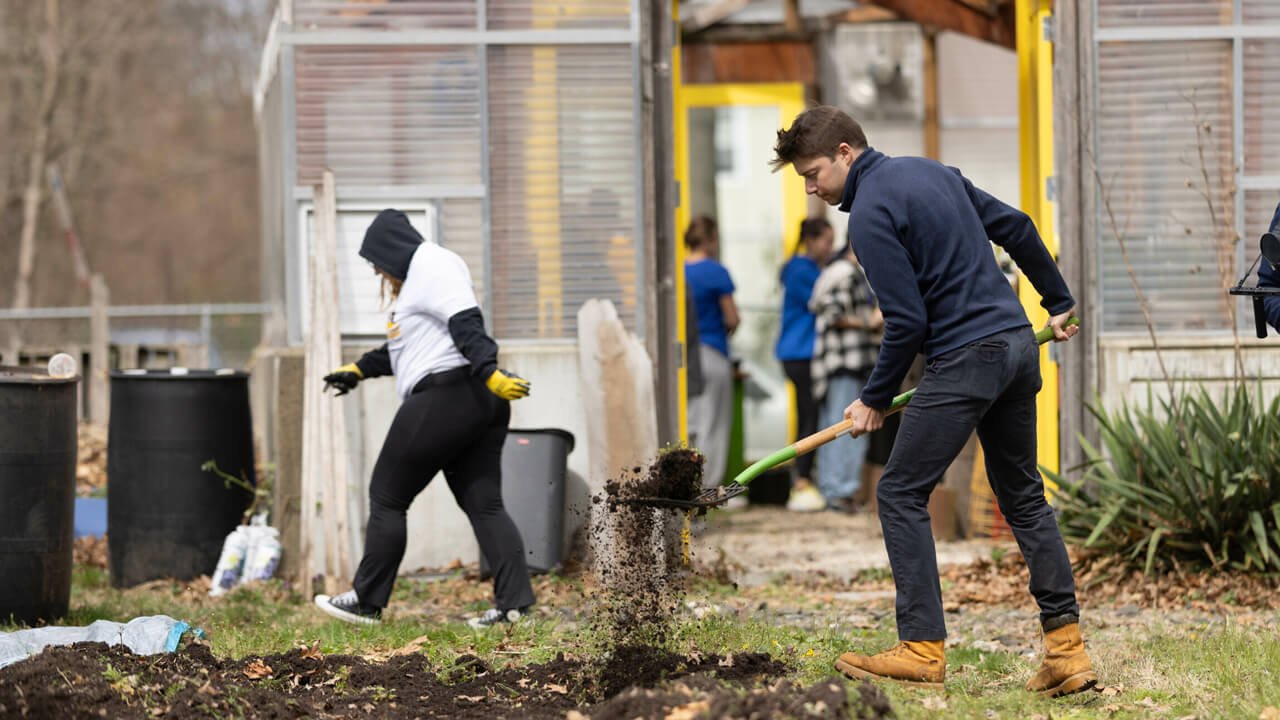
1035, 142
789, 99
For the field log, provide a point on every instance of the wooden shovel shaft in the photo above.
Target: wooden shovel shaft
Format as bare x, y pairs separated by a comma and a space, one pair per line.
822, 437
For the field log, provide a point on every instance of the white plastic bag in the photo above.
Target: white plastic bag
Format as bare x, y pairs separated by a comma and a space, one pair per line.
250, 552
231, 562
263, 555
144, 636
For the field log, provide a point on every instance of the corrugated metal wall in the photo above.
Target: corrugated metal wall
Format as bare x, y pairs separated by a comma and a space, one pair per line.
556, 170
1185, 90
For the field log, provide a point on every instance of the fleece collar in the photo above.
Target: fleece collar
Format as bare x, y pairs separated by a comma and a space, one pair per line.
865, 163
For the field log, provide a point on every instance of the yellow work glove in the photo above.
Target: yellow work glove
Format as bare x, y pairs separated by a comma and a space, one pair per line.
344, 379
507, 386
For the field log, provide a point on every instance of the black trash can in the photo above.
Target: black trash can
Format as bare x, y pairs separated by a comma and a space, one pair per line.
166, 517
533, 470
37, 493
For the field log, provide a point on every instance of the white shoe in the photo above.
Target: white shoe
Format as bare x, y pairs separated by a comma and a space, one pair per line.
806, 499
493, 616
349, 608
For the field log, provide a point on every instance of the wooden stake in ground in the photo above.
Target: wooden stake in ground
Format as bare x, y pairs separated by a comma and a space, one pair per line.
324, 450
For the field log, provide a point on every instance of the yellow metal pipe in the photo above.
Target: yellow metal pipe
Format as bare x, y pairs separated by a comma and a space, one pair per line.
1035, 142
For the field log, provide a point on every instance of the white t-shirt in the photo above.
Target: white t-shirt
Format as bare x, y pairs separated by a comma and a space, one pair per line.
438, 286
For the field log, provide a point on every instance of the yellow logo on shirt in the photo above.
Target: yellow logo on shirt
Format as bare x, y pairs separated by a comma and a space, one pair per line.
393, 329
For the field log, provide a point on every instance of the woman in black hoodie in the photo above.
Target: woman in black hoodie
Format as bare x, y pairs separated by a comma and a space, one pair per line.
453, 417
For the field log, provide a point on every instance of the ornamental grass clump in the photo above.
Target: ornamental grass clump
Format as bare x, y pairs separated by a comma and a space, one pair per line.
1194, 487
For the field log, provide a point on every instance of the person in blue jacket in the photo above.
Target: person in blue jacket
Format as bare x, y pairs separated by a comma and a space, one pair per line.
794, 348
1270, 277
923, 234
711, 410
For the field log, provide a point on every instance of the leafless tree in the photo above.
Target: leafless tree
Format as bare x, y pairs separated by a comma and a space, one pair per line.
145, 107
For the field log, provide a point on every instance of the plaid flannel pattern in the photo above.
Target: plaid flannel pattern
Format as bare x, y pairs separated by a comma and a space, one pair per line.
838, 349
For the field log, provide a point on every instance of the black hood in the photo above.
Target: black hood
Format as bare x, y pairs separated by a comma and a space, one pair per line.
390, 242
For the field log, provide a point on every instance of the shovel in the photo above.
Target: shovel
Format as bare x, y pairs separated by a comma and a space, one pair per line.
717, 495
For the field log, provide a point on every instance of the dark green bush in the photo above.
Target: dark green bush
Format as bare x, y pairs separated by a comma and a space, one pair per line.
1170, 495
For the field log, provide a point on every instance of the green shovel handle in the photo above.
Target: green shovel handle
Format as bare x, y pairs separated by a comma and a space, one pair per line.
826, 435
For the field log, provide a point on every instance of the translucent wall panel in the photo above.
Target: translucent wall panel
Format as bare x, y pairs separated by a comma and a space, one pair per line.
1257, 12
1148, 152
386, 115
384, 14
1262, 106
562, 160
1144, 13
558, 14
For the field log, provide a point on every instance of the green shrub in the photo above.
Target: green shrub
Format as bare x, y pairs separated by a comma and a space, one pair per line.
1192, 487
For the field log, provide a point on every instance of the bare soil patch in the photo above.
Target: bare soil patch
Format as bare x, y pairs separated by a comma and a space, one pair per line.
90, 680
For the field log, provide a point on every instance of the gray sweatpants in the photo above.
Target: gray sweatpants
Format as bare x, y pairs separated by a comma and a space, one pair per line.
711, 414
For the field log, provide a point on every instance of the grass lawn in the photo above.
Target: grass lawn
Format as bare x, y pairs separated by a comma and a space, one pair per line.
1222, 663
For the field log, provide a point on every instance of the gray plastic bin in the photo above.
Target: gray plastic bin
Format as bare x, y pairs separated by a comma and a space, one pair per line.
533, 476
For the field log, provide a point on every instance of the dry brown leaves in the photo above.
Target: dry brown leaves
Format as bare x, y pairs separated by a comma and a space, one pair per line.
984, 582
91, 458
257, 670
90, 550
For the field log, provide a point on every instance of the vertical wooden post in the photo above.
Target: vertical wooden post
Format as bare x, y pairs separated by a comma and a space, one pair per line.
99, 349
324, 453
932, 144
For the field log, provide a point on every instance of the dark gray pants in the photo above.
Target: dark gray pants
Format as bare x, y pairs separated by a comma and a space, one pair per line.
458, 426
991, 385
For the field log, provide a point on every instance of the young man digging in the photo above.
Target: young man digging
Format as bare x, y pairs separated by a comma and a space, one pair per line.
922, 233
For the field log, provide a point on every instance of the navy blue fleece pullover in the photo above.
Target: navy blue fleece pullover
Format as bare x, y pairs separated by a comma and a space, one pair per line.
921, 230
1270, 277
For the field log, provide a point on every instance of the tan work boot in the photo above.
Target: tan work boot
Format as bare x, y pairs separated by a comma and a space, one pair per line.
1065, 668
915, 664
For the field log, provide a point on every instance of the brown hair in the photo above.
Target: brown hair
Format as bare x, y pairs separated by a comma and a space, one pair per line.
699, 232
817, 132
390, 289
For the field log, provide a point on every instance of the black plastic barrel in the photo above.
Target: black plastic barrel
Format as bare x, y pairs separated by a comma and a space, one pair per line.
166, 517
37, 493
533, 474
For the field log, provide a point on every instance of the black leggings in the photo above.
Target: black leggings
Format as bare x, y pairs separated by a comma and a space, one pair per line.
798, 373
457, 426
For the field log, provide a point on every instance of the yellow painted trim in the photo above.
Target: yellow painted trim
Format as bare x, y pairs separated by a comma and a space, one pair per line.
789, 99
1035, 136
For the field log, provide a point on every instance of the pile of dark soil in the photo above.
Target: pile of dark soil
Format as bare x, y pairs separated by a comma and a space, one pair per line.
92, 680
675, 475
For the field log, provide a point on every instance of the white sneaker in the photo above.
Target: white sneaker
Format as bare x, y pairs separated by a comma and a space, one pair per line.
349, 608
493, 616
806, 499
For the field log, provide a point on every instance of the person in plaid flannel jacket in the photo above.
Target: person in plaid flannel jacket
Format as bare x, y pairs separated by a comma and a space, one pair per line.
846, 343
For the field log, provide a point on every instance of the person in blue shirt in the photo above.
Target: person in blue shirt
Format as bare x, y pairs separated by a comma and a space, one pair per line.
923, 234
1270, 277
711, 410
794, 348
